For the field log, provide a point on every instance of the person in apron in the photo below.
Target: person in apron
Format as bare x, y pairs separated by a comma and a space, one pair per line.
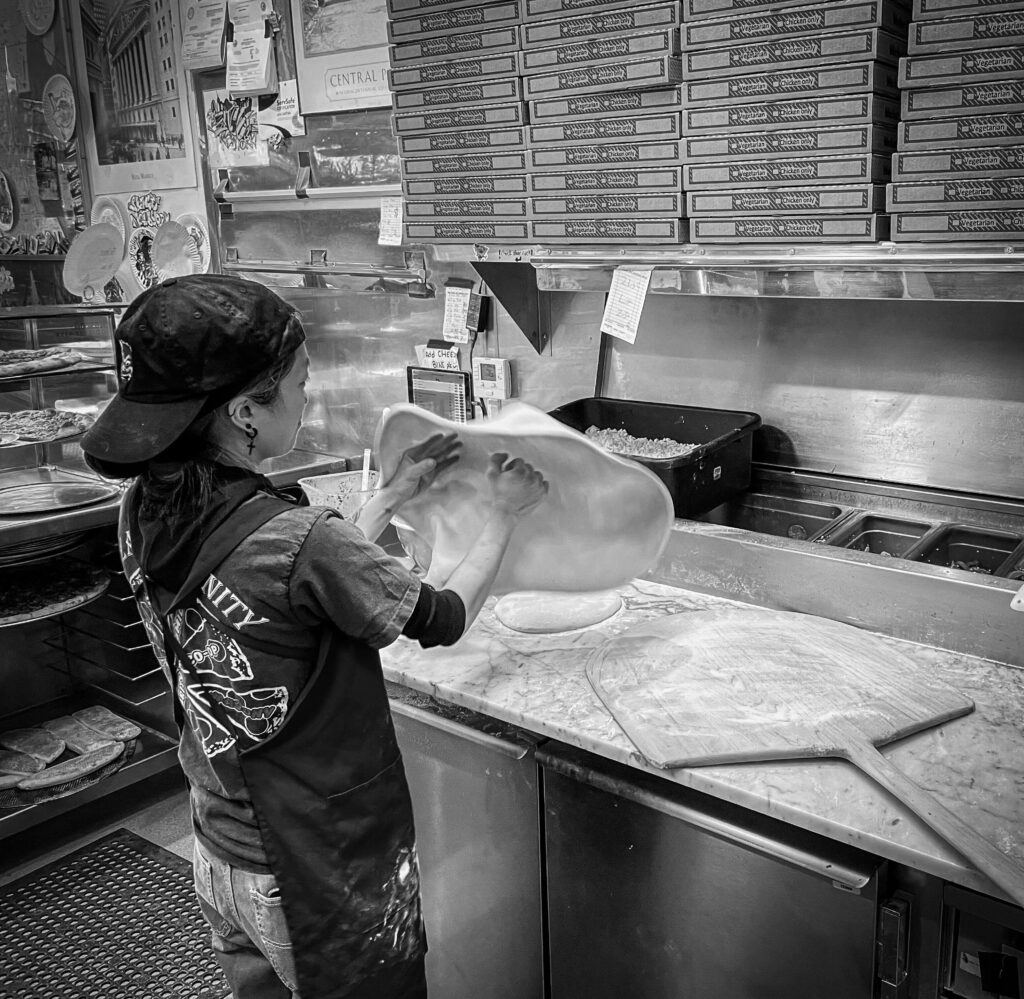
266, 616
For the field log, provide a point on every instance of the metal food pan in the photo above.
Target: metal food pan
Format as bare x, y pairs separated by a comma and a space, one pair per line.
1013, 567
782, 517
879, 535
960, 546
717, 469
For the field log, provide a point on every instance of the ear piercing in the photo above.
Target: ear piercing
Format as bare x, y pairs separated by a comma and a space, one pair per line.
250, 433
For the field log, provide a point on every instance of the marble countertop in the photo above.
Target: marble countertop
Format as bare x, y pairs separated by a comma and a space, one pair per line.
973, 765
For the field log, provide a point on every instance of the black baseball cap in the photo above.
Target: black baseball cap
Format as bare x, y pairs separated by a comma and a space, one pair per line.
186, 345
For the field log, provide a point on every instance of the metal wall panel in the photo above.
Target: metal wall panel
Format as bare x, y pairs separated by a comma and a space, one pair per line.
923, 393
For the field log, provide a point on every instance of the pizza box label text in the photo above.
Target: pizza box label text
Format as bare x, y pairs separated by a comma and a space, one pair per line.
599, 106
855, 139
465, 186
655, 71
615, 22
791, 229
462, 140
450, 119
851, 198
608, 181
946, 195
611, 205
970, 225
809, 112
786, 172
427, 50
443, 22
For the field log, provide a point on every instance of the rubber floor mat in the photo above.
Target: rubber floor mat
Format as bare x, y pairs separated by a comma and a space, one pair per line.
117, 919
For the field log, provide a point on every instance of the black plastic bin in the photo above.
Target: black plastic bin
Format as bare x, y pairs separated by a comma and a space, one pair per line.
716, 470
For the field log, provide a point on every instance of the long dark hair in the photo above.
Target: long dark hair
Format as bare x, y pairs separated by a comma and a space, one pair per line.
178, 483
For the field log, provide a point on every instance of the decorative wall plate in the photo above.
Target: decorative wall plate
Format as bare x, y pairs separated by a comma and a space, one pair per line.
201, 237
107, 209
174, 251
92, 260
59, 107
38, 15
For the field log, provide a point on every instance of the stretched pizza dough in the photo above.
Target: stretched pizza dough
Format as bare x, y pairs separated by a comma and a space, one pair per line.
541, 612
606, 519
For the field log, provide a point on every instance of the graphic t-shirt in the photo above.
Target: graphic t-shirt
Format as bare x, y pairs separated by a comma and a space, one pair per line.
250, 637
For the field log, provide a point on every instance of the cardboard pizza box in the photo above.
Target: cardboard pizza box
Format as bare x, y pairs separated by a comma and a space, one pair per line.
790, 172
813, 82
434, 23
448, 47
1002, 96
458, 95
468, 208
462, 140
628, 21
628, 74
413, 8
808, 112
852, 199
608, 230
453, 71
605, 154
540, 10
465, 186
789, 142
791, 229
467, 231
965, 130
804, 20
696, 10
930, 9
611, 205
968, 226
952, 164
792, 53
942, 195
636, 180
457, 119
641, 127
590, 52
991, 29
615, 104
503, 162
1000, 64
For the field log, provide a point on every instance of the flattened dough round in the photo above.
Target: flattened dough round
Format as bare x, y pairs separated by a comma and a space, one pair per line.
544, 612
605, 520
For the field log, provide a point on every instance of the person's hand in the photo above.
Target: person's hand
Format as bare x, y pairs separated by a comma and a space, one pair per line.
421, 464
516, 486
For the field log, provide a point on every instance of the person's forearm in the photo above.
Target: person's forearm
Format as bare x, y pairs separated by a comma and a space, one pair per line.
473, 577
376, 513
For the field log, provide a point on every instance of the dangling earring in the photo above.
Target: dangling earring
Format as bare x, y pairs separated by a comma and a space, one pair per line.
250, 432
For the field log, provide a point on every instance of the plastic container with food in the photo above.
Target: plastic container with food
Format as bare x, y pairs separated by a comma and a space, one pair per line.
715, 467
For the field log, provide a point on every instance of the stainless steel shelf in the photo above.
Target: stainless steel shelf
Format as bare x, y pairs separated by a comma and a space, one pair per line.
908, 271
154, 753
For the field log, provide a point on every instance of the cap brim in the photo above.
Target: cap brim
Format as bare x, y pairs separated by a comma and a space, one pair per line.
131, 432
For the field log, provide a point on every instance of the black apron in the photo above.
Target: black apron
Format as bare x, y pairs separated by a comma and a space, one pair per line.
333, 809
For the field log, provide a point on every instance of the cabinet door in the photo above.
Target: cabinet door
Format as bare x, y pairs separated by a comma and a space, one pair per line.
652, 898
477, 811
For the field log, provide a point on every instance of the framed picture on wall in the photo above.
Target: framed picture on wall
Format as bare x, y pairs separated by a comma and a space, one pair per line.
134, 122
341, 49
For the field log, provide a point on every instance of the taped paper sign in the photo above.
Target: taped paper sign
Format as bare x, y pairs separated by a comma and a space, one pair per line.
625, 303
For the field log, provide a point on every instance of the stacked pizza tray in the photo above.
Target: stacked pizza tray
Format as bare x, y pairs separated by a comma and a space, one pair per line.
604, 140
790, 113
460, 119
958, 172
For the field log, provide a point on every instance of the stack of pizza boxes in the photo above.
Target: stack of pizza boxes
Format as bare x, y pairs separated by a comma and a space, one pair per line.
603, 141
460, 119
958, 173
790, 114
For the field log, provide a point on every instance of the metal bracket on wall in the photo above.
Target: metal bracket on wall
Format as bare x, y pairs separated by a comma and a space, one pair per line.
514, 284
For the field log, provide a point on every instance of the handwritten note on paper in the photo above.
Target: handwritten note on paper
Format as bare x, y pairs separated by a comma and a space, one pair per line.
456, 308
625, 303
390, 222
438, 358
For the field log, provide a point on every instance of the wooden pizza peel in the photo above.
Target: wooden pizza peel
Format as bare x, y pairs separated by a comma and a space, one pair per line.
731, 686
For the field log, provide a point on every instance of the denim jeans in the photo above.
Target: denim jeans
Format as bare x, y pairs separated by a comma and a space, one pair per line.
249, 935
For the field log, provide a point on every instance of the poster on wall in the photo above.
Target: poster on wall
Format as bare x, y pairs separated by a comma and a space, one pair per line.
134, 118
342, 54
